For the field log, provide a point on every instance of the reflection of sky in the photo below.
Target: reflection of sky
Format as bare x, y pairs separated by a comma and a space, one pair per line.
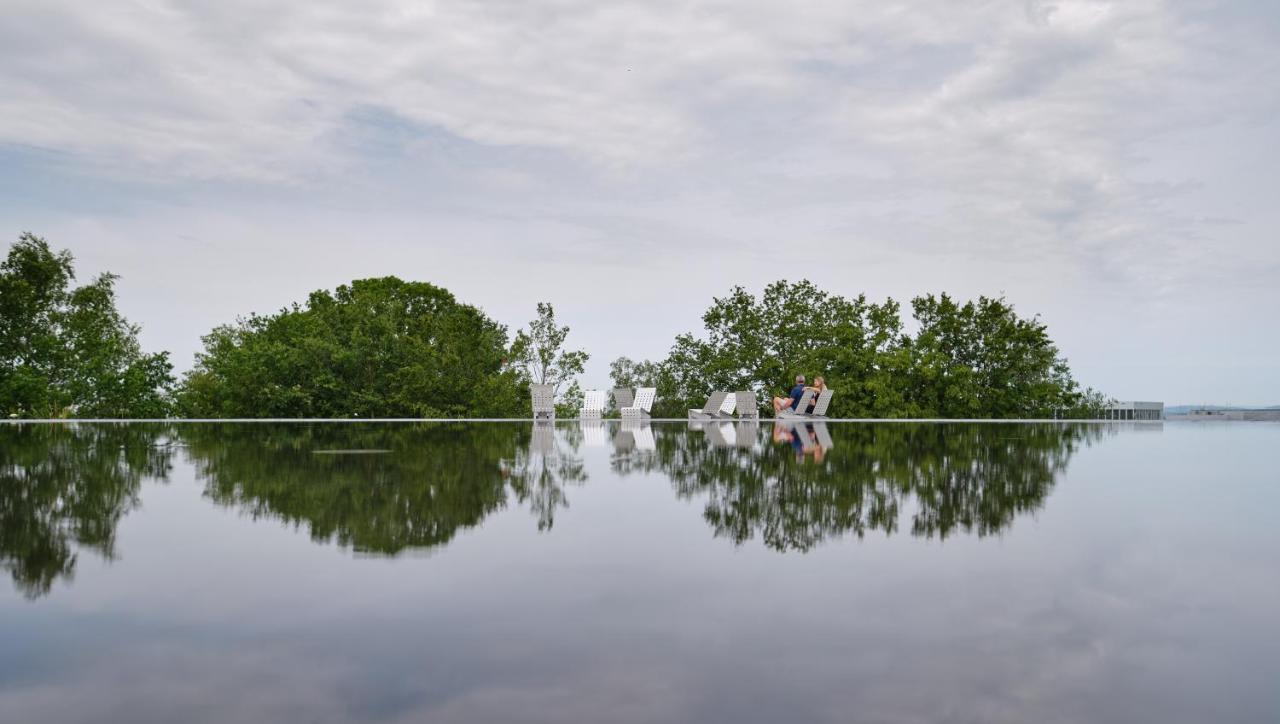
1142, 590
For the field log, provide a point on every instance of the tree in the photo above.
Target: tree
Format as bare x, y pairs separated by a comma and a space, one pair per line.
761, 344
979, 359
65, 488
374, 348
540, 355
69, 351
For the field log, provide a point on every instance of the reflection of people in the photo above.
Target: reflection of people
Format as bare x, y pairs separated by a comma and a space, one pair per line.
803, 439
792, 399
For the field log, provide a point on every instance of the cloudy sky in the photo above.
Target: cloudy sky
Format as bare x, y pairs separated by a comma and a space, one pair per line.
1110, 166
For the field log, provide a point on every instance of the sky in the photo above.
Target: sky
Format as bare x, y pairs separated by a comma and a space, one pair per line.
1109, 166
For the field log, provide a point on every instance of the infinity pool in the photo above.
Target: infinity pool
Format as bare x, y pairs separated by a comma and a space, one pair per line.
491, 572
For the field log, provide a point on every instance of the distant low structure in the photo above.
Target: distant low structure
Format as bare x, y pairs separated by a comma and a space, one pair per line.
1244, 415
1133, 411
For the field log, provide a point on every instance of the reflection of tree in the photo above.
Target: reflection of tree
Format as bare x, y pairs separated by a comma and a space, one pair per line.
973, 478
69, 485
428, 481
538, 473
383, 488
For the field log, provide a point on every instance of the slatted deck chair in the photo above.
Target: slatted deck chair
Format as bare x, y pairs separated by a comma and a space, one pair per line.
639, 410
712, 408
824, 401
544, 402
747, 407
798, 412
623, 397
593, 402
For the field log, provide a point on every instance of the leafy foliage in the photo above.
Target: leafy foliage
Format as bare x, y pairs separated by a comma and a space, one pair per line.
64, 488
540, 355
978, 360
67, 350
374, 348
941, 478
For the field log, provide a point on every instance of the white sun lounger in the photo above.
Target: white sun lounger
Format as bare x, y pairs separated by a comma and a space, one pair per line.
824, 401
639, 410
791, 413
714, 407
544, 402
623, 397
593, 402
745, 403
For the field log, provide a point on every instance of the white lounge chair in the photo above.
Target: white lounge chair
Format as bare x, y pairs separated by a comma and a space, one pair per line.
746, 405
593, 402
544, 402
798, 411
623, 397
819, 403
714, 407
824, 401
639, 410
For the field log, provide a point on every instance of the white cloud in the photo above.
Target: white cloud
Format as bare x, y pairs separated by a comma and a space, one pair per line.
1080, 147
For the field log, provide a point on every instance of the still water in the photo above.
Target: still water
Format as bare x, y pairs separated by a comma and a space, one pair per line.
489, 572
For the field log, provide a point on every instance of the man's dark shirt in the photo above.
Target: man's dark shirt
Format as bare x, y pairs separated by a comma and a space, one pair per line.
796, 393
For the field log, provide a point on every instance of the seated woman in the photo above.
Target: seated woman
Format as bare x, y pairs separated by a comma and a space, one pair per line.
819, 385
792, 399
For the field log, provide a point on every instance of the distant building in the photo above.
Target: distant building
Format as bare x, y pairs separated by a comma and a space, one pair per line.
1243, 415
1133, 411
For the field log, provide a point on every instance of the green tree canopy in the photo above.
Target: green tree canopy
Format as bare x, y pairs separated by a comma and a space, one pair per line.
65, 350
374, 348
979, 359
540, 355
65, 488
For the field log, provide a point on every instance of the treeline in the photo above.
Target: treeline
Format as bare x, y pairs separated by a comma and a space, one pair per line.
390, 348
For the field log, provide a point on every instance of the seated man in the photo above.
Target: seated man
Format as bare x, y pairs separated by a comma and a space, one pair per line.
792, 399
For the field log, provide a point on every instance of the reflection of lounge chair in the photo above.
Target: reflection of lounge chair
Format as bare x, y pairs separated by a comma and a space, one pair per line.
722, 434
799, 410
748, 433
748, 408
544, 402
543, 439
644, 438
824, 435
594, 433
639, 410
593, 402
719, 404
634, 435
